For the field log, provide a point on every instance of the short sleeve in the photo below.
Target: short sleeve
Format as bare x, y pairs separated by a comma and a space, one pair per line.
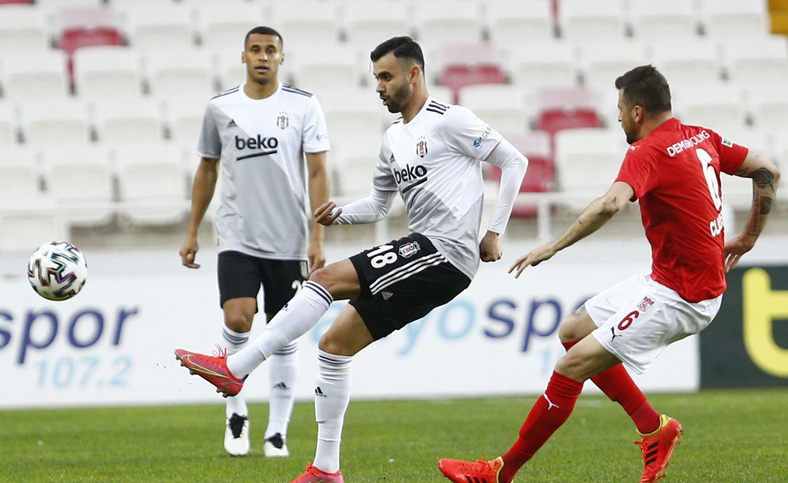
636, 170
465, 133
314, 137
210, 143
731, 155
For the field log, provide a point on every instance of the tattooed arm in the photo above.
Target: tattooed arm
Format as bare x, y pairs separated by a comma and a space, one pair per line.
765, 177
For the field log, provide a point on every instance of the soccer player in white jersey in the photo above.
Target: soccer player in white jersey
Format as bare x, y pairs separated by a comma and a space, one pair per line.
271, 141
432, 157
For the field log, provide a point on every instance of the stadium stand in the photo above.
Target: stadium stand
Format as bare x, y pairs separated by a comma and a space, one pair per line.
501, 58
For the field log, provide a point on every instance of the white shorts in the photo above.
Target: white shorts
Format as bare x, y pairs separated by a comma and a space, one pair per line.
638, 318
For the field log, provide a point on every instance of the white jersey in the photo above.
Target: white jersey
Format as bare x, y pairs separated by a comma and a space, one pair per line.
261, 144
435, 162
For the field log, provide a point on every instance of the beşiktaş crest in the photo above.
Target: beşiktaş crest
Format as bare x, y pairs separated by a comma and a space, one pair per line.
421, 147
282, 121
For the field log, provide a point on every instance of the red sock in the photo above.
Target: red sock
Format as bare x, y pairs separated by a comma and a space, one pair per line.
550, 411
618, 385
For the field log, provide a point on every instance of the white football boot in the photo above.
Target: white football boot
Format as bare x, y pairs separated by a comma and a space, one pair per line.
275, 446
236, 435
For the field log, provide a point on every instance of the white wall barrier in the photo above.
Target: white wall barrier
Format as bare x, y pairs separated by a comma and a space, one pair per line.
113, 343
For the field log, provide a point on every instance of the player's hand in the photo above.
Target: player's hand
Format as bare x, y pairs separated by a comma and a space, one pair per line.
490, 247
189, 251
317, 256
534, 258
325, 214
735, 248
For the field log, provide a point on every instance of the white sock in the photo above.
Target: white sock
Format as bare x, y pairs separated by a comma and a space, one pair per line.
294, 320
233, 342
283, 371
332, 396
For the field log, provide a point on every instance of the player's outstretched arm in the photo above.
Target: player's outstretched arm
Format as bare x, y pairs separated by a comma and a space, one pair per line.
765, 177
326, 214
590, 220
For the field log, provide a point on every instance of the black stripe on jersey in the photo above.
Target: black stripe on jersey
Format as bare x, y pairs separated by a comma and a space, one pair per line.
437, 107
288, 88
261, 153
407, 188
227, 92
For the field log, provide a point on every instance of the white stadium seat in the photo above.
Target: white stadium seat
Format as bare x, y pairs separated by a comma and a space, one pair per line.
365, 27
151, 183
717, 106
663, 20
151, 25
500, 105
8, 125
23, 28
37, 75
587, 162
513, 22
591, 19
129, 122
55, 123
543, 64
688, 61
107, 72
602, 61
446, 21
734, 18
185, 71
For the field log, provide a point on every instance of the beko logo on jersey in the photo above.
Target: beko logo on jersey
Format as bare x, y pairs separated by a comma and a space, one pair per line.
256, 143
688, 143
409, 173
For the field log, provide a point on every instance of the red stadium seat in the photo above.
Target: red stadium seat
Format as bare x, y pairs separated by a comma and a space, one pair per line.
457, 71
8, 2
86, 27
536, 146
566, 108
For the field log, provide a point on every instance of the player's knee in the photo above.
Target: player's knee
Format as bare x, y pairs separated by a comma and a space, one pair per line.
322, 277
331, 345
238, 322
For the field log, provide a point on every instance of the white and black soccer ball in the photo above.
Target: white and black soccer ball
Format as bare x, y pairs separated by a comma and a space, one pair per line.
57, 270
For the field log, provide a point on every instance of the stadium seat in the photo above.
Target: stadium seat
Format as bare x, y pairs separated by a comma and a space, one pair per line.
80, 181
151, 183
756, 61
460, 65
718, 106
440, 22
666, 19
184, 118
602, 61
354, 119
769, 109
8, 125
55, 123
324, 71
183, 72
43, 76
222, 25
511, 23
10, 2
586, 163
566, 108
688, 61
107, 73
24, 231
20, 183
76, 27
365, 28
150, 25
591, 19
535, 65
305, 24
500, 105
734, 18
536, 146
23, 28
128, 122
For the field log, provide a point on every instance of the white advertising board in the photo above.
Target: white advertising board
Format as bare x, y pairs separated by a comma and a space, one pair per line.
113, 343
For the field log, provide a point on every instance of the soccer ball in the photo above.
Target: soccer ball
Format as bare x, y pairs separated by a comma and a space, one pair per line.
57, 270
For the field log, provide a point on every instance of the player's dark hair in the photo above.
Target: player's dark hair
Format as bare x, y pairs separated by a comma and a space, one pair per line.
645, 86
402, 47
261, 30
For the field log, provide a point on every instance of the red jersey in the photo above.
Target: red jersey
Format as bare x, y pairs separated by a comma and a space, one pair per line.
675, 172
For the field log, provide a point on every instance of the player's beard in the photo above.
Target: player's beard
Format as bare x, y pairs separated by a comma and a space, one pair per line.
399, 97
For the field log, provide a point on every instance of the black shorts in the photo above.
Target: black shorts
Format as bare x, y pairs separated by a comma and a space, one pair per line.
401, 281
241, 275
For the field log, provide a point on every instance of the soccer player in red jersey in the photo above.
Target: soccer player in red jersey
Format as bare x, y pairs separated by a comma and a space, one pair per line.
674, 171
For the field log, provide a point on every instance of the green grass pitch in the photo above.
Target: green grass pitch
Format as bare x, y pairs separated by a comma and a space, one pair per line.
730, 436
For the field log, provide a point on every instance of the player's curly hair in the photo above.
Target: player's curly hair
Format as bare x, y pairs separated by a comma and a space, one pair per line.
645, 86
402, 47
